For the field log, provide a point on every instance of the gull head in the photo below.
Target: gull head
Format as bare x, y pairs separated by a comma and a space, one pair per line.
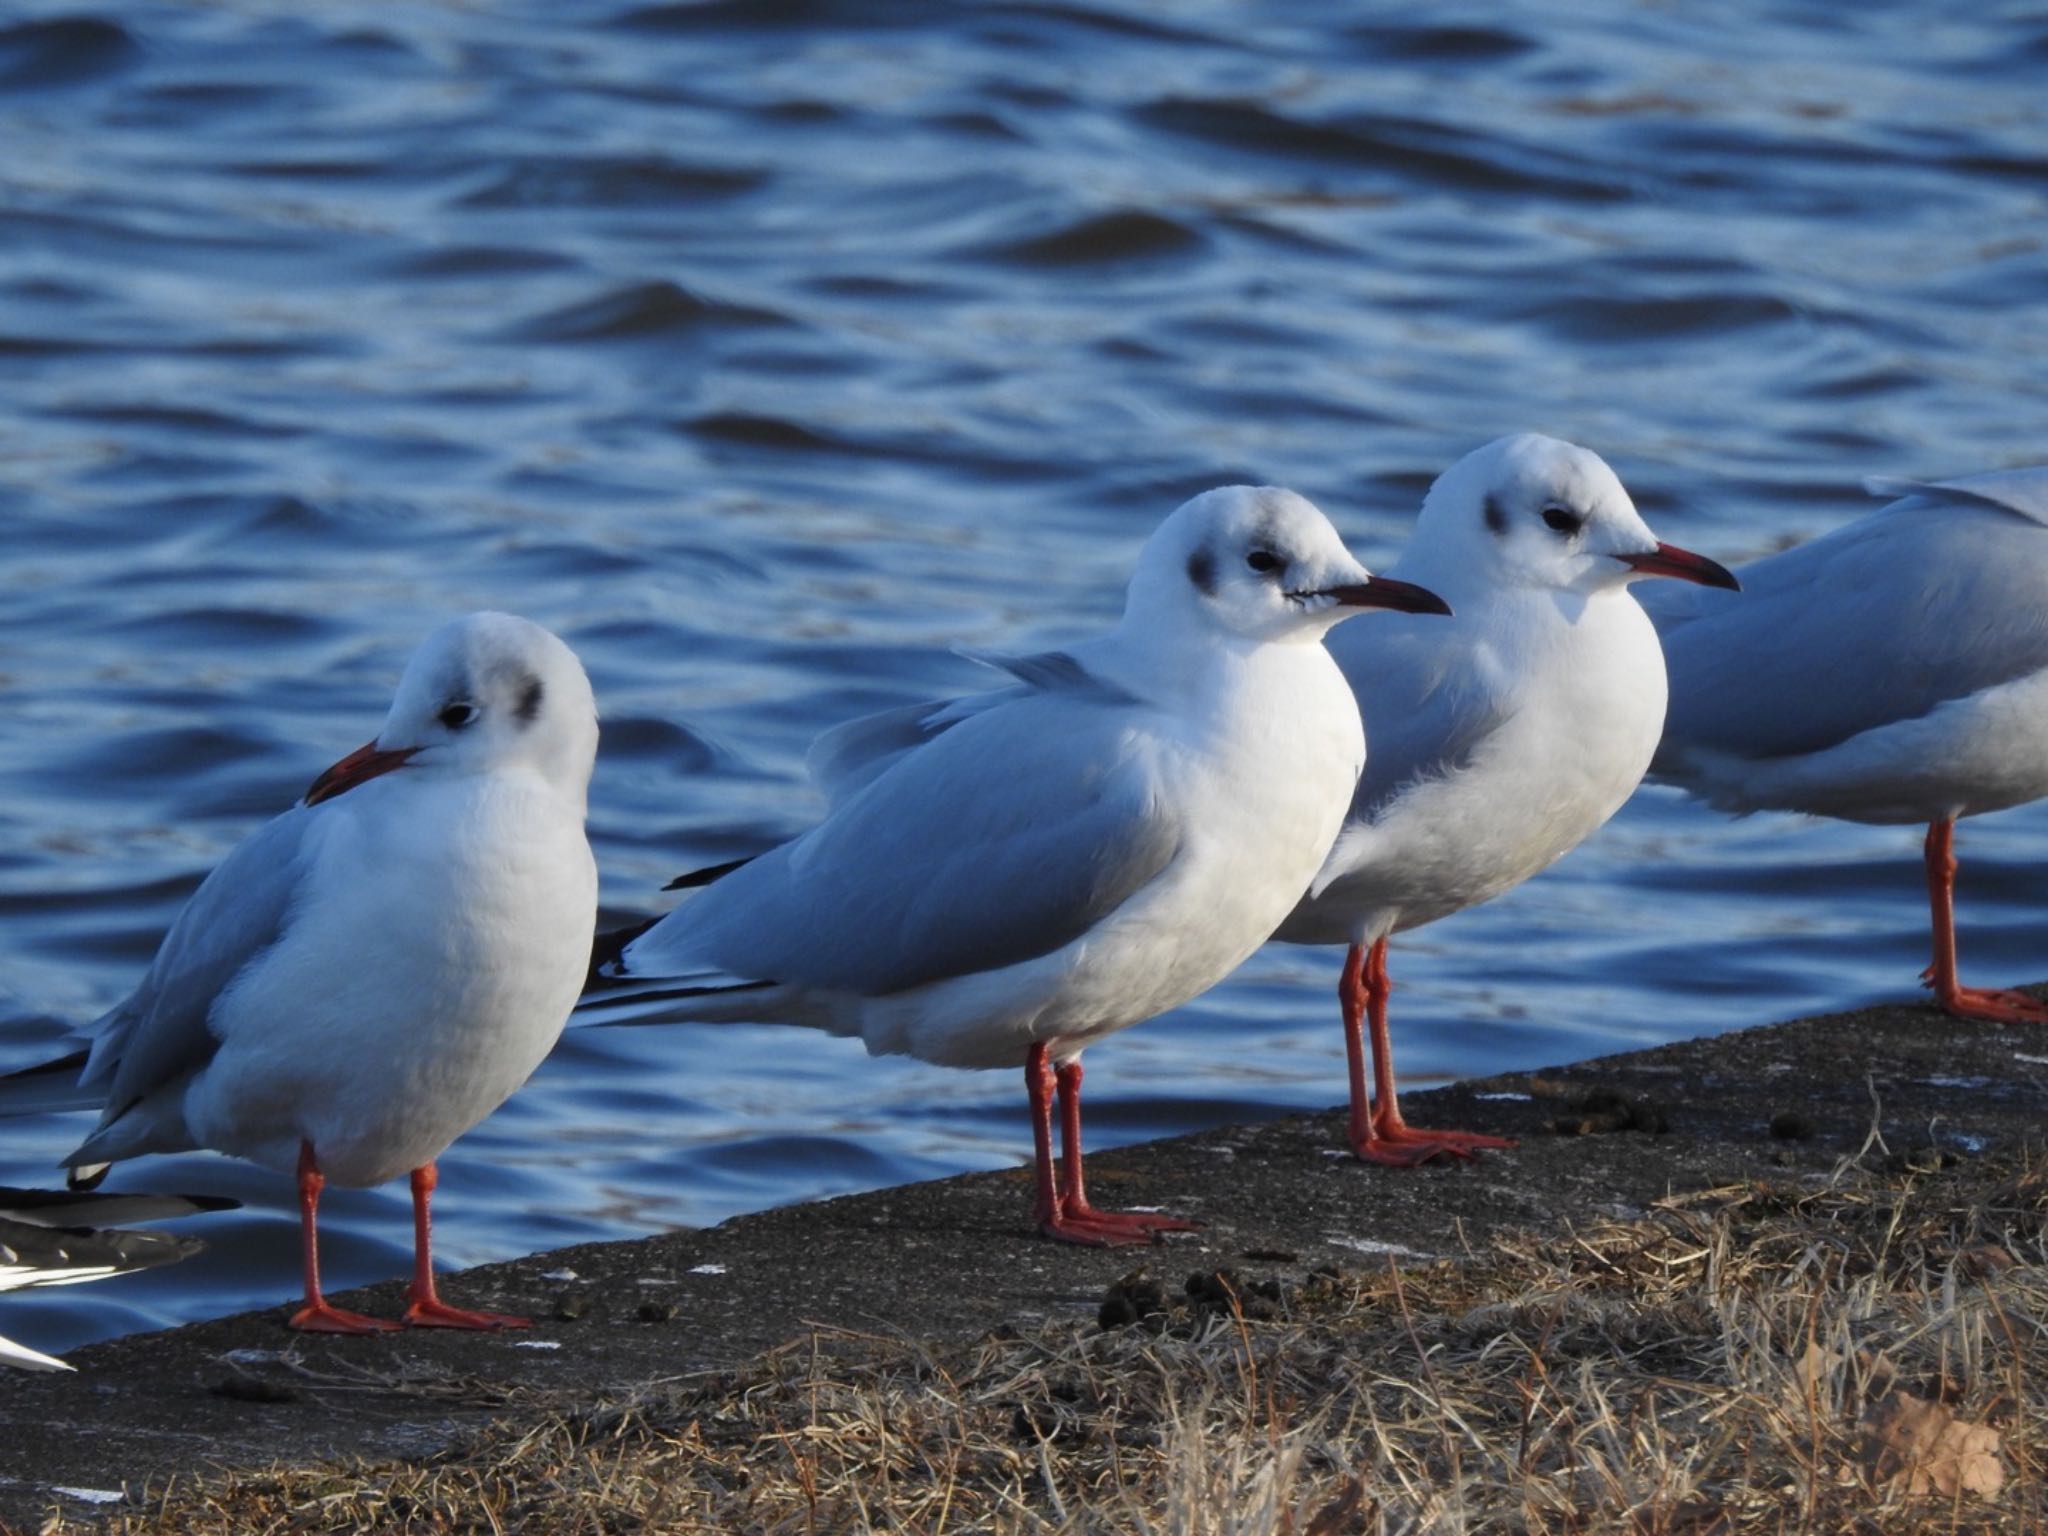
1261, 563
491, 691
1532, 511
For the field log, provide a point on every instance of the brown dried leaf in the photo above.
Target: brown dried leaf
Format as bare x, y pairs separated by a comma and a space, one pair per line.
1337, 1515
1981, 1261
1926, 1449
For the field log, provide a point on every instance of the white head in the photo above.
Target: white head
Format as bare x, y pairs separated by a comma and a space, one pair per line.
1531, 511
483, 694
1261, 563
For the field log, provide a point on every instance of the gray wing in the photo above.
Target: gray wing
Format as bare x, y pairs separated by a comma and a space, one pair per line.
1003, 838
1429, 701
1933, 598
2023, 491
161, 1032
847, 758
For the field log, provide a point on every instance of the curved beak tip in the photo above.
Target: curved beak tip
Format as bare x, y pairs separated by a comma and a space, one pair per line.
1386, 592
359, 767
1683, 565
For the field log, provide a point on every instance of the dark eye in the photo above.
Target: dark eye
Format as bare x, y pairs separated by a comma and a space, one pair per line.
1262, 561
456, 716
1563, 519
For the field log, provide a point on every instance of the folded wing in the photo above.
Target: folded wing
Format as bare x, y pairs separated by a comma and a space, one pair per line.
1002, 837
1934, 598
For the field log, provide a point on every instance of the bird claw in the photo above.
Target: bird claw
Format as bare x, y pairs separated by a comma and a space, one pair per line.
1406, 1146
438, 1314
1092, 1228
319, 1317
1992, 1005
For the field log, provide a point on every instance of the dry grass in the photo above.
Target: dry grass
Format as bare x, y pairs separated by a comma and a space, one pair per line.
1749, 1359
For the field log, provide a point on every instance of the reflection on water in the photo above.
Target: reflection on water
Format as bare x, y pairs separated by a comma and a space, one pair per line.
769, 351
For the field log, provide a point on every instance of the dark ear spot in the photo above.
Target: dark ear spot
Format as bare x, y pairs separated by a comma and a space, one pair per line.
530, 696
1202, 570
1496, 516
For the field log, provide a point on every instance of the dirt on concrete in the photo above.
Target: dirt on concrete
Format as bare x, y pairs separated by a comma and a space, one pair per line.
956, 1258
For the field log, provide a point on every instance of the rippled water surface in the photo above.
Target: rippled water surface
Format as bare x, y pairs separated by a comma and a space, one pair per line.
769, 350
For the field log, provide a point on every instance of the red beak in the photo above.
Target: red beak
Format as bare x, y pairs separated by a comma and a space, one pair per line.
1670, 560
359, 767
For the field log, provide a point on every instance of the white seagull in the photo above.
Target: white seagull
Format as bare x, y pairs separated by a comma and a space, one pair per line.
1894, 671
48, 1238
1006, 878
1499, 741
379, 968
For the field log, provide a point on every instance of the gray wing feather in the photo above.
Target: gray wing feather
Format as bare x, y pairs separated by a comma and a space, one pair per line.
847, 758
161, 1032
1054, 672
1931, 599
1428, 701
1003, 838
2020, 491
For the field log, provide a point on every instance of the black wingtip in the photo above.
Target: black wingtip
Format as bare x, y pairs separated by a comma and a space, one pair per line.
705, 876
608, 949
71, 1064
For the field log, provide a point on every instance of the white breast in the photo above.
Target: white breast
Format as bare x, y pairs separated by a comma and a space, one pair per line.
1265, 776
1583, 710
442, 936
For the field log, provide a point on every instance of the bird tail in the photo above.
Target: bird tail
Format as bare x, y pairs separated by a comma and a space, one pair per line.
709, 997
23, 1358
50, 1237
51, 1085
62, 1208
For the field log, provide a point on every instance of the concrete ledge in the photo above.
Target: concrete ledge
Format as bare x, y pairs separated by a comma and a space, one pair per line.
956, 1257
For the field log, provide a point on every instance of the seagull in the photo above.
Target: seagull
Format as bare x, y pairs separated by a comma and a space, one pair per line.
51, 1237
1499, 741
379, 968
1006, 878
1894, 671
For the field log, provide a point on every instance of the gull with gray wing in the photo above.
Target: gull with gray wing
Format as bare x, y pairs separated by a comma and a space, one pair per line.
1894, 671
1499, 741
1004, 879
376, 970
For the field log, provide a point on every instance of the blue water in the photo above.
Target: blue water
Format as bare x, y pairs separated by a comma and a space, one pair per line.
768, 350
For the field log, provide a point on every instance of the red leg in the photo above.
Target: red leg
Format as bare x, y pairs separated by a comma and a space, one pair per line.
428, 1310
1080, 1221
1991, 1005
316, 1316
1045, 1195
1366, 1142
1379, 1134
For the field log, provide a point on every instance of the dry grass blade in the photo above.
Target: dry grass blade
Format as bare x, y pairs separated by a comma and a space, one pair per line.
1866, 1355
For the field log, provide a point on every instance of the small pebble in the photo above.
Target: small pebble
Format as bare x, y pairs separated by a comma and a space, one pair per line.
657, 1311
1605, 1110
1129, 1300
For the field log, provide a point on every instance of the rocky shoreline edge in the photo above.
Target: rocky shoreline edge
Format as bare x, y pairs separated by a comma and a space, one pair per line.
1784, 1106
